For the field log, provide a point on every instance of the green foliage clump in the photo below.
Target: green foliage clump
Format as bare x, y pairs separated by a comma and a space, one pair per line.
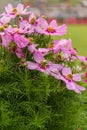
32, 101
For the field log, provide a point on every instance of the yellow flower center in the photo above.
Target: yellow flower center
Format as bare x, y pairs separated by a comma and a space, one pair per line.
31, 40
69, 76
33, 20
51, 29
51, 45
44, 64
14, 10
6, 25
1, 28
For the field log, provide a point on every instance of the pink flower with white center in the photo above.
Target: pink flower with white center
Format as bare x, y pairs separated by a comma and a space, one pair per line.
52, 28
71, 79
13, 12
20, 40
42, 64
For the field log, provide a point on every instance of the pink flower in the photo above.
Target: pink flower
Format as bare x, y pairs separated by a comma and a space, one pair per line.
82, 58
20, 54
20, 40
13, 12
71, 79
6, 39
86, 74
5, 20
42, 64
50, 29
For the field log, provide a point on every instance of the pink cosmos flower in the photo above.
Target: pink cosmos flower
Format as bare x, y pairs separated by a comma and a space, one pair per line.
5, 20
15, 29
82, 58
42, 64
13, 12
26, 27
32, 47
71, 79
50, 29
6, 39
20, 54
20, 40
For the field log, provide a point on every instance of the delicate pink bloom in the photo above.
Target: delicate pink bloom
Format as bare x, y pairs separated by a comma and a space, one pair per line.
86, 81
86, 74
20, 54
70, 49
6, 39
82, 58
44, 51
20, 40
51, 29
32, 19
14, 29
32, 47
5, 20
60, 45
26, 27
42, 64
70, 80
13, 12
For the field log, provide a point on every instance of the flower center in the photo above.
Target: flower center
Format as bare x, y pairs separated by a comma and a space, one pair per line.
6, 25
31, 40
43, 64
1, 28
69, 76
51, 29
33, 20
14, 10
51, 45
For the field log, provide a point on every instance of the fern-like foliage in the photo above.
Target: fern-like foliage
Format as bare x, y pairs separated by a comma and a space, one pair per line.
32, 101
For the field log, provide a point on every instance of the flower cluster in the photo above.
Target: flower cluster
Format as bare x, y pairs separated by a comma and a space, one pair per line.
30, 38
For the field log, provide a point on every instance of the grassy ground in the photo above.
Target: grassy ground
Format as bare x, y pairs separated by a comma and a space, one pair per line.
78, 34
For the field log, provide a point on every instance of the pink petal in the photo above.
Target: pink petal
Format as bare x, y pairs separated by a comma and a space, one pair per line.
31, 65
66, 71
6, 39
53, 24
20, 40
8, 8
76, 77
42, 23
57, 76
70, 85
82, 58
55, 67
61, 30
78, 88
38, 57
20, 53
44, 51
20, 7
32, 48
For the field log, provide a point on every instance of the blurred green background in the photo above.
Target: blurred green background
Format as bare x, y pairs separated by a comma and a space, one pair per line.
78, 34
